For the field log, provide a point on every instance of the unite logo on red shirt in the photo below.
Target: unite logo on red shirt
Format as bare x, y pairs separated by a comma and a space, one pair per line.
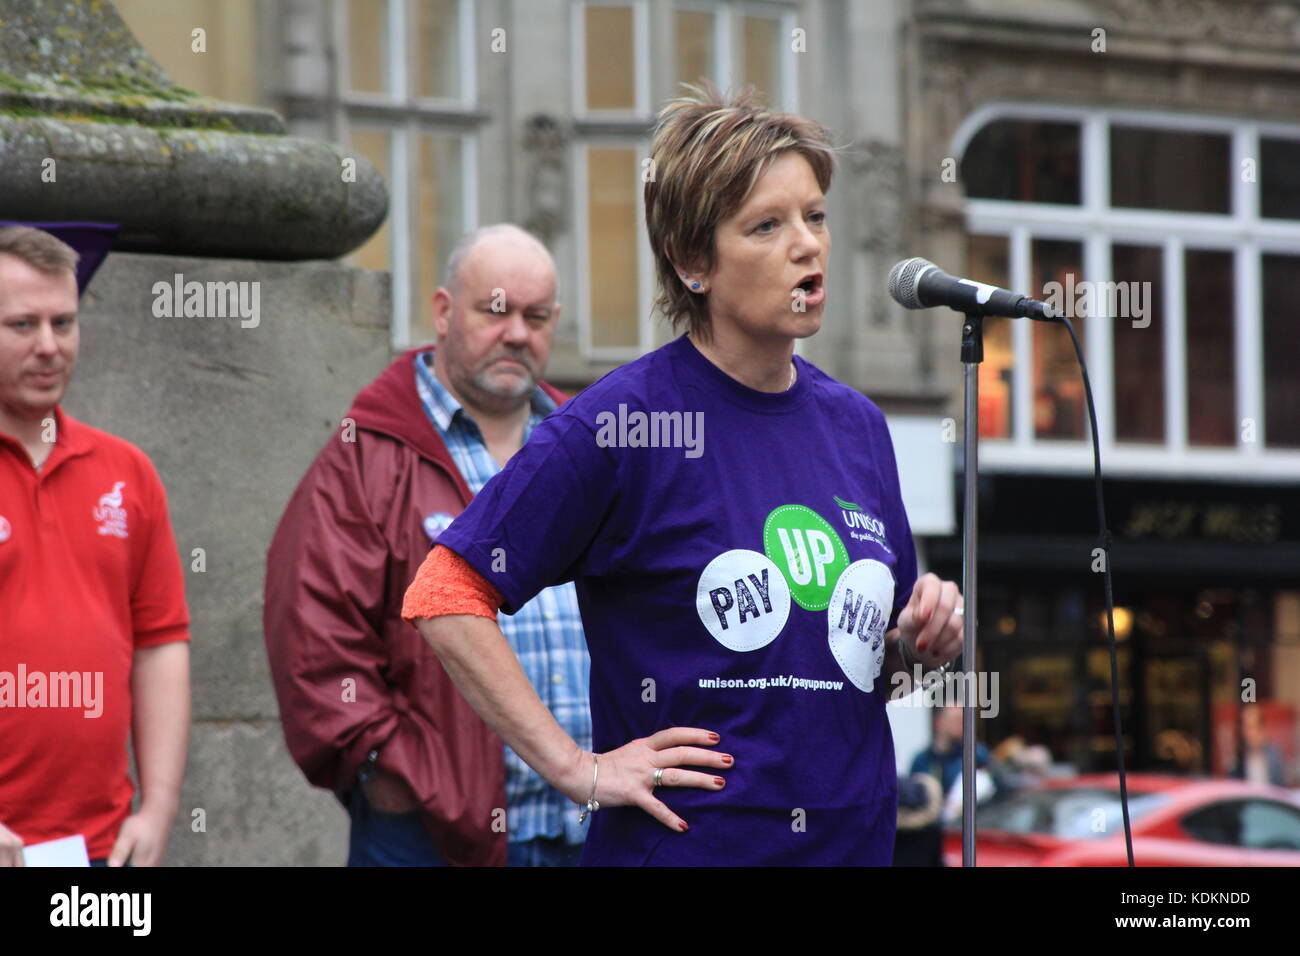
109, 512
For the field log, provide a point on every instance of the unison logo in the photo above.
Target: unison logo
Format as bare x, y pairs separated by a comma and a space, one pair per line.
651, 430
857, 520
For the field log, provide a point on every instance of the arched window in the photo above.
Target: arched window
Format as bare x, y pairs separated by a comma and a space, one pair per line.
1173, 242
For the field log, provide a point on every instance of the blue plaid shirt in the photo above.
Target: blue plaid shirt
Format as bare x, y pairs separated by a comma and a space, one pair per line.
546, 633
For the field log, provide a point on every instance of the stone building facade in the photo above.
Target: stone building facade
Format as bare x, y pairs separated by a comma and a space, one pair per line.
982, 134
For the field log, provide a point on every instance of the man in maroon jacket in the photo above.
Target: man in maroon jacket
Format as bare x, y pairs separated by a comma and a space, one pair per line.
367, 710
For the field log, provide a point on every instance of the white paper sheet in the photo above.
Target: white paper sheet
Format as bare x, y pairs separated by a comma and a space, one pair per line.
69, 851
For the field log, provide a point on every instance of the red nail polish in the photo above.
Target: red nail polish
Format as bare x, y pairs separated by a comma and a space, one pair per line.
719, 782
727, 759
714, 737
682, 826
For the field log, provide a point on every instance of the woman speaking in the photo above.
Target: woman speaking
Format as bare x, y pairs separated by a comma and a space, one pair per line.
732, 519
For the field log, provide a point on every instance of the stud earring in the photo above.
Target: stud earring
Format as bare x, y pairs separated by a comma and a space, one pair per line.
695, 286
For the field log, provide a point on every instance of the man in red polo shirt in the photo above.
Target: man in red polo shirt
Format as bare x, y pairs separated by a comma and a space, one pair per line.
93, 625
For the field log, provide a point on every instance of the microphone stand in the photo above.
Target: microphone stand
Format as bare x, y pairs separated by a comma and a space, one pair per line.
972, 354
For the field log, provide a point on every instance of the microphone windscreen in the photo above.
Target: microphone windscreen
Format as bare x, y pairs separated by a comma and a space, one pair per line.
903, 280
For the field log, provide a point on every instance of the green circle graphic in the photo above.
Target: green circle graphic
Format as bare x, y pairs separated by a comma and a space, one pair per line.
809, 553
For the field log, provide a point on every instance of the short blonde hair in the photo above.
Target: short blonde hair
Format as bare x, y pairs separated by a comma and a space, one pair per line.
39, 249
708, 152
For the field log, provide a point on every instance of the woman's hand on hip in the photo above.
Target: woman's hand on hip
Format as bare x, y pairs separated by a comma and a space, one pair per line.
626, 776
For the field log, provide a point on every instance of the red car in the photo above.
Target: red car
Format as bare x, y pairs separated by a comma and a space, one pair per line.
1176, 821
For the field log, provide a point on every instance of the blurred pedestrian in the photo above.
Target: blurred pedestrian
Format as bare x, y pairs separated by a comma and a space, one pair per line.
1016, 765
919, 840
1259, 760
942, 758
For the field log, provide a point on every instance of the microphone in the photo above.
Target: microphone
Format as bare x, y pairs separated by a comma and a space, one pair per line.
920, 284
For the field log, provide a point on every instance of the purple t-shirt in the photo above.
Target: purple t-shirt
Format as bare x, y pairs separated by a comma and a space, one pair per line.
738, 556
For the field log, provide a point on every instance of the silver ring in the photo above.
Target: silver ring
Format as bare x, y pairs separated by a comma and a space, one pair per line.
960, 610
659, 778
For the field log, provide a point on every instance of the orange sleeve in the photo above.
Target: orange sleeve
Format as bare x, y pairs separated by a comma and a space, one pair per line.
447, 584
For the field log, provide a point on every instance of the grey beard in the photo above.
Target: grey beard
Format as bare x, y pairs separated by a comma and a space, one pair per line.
483, 382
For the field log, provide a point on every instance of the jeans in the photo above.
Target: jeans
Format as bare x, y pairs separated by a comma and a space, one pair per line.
545, 851
400, 839
388, 839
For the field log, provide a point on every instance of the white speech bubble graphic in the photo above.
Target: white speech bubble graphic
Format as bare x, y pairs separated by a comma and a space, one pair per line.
743, 600
857, 618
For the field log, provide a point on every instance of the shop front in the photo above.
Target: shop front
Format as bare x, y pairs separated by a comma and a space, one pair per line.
1207, 617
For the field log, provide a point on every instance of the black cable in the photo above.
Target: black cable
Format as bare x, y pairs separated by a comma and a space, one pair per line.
1104, 541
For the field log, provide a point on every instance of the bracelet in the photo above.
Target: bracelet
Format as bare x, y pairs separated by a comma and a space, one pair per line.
910, 664
592, 804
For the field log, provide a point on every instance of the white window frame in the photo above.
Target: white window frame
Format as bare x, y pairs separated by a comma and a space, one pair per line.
468, 208
402, 45
728, 43
394, 37
616, 137
405, 117
1097, 227
720, 52
468, 56
786, 97
726, 50
640, 68
644, 260
399, 221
